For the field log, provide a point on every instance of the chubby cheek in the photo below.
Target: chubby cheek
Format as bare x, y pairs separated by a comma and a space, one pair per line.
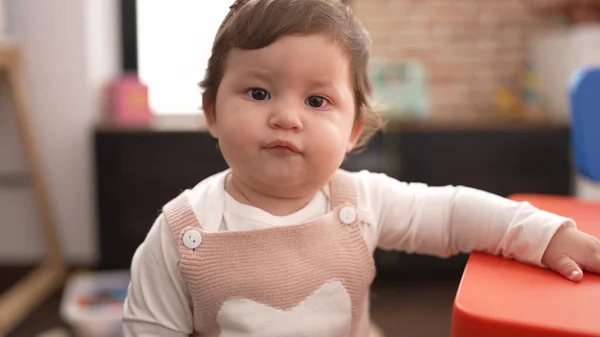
236, 139
329, 146
229, 135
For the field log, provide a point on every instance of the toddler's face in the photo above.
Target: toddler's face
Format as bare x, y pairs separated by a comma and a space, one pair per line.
285, 113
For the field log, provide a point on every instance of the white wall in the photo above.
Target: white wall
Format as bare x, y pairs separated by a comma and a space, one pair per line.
71, 50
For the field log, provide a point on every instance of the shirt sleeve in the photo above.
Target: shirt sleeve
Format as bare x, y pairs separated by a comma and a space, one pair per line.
447, 220
158, 301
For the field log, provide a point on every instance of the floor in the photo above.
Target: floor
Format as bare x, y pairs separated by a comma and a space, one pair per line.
416, 305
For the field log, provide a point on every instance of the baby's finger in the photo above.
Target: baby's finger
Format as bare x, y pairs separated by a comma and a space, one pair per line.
567, 268
593, 264
592, 260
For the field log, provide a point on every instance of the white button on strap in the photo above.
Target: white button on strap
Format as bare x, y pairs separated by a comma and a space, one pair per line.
347, 215
192, 239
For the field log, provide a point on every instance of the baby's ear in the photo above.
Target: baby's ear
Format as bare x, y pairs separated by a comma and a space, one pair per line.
208, 107
357, 130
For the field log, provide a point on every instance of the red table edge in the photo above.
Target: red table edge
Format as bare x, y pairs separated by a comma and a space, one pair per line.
478, 325
461, 316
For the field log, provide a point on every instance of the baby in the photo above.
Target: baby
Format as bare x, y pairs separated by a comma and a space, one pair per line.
281, 243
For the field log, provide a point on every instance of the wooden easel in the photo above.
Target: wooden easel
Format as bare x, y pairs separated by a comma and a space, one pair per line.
18, 302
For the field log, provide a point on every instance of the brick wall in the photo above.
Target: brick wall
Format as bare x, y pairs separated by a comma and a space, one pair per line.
469, 47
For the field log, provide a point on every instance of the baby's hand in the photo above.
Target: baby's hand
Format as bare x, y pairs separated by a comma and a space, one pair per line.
570, 251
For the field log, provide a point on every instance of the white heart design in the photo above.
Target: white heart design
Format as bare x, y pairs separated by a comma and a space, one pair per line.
325, 313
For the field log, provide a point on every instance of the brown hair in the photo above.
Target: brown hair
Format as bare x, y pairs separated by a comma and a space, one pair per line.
254, 24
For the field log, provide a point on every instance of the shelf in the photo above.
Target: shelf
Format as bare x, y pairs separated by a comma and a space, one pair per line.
14, 179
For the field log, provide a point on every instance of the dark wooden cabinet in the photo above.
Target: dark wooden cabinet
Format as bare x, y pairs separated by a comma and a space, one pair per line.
534, 160
138, 170
137, 173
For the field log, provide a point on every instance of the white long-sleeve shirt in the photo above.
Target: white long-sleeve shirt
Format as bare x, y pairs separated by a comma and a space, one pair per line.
414, 218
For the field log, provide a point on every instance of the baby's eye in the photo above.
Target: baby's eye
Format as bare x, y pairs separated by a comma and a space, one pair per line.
258, 94
316, 101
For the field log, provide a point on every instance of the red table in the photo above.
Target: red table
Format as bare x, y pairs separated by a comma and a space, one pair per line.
499, 297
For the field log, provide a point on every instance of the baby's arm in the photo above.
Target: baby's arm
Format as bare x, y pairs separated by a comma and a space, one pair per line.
157, 302
445, 221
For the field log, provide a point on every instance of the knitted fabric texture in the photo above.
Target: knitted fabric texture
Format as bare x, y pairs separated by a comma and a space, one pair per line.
278, 267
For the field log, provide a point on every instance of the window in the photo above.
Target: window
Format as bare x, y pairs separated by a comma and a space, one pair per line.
174, 39
168, 43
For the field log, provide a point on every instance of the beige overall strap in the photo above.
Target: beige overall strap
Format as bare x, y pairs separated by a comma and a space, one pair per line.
343, 189
179, 214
